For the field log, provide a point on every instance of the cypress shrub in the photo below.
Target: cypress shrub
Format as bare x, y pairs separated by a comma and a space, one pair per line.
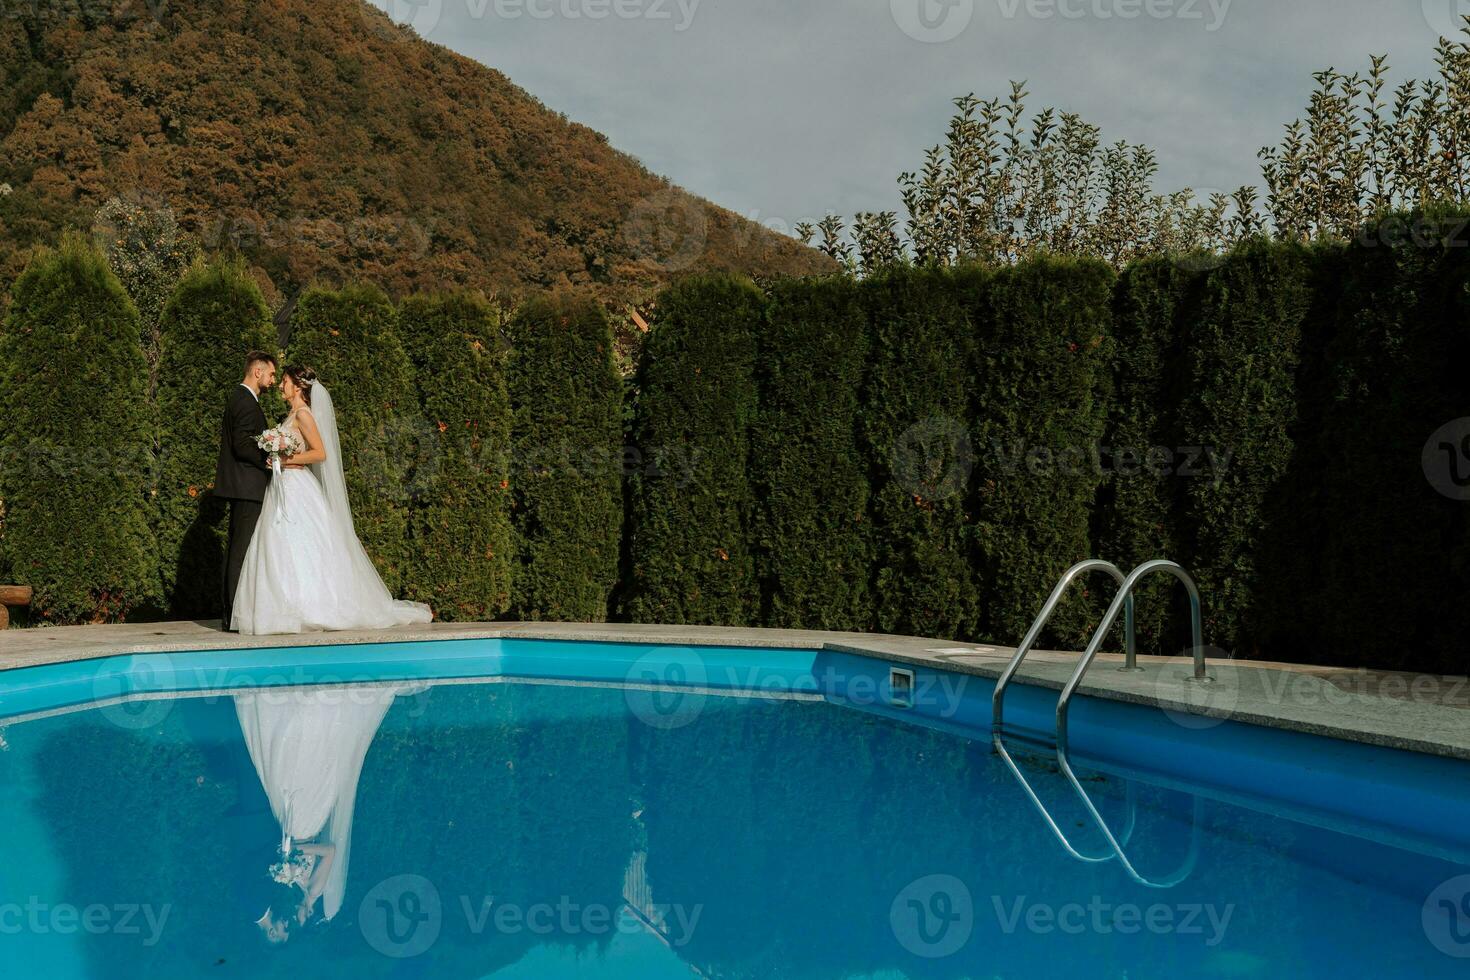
689, 543
76, 440
1042, 374
215, 316
916, 417
1295, 521
567, 478
1390, 567
351, 338
812, 481
462, 545
1143, 455
1244, 348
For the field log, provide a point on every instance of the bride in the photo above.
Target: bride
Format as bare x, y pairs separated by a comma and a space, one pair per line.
305, 570
308, 747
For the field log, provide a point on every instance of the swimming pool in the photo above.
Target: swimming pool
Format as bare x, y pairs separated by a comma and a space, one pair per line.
554, 809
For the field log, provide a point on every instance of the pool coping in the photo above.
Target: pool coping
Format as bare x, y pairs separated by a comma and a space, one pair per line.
1423, 713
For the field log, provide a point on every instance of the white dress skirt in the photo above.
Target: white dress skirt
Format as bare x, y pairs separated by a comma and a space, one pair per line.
308, 748
305, 573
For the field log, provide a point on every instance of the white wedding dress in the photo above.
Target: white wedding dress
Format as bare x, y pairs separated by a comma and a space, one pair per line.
305, 570
308, 747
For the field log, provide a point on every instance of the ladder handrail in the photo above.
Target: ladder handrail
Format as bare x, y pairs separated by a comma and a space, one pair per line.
1190, 859
1122, 599
997, 700
1051, 824
1122, 603
1117, 844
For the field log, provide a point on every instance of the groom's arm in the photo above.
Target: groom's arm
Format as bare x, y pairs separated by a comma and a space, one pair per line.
245, 425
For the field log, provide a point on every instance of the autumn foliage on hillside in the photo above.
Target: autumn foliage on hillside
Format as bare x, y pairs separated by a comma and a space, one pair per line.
322, 142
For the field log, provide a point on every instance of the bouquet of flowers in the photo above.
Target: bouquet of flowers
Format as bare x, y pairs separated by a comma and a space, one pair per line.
280, 442
295, 866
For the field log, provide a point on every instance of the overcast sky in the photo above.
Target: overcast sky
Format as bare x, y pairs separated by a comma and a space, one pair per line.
784, 110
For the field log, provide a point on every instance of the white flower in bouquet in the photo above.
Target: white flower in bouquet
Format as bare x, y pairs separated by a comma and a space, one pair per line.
293, 869
280, 442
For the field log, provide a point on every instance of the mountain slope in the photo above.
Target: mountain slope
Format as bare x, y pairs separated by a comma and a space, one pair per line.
325, 143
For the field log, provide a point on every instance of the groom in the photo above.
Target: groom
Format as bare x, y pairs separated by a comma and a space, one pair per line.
242, 474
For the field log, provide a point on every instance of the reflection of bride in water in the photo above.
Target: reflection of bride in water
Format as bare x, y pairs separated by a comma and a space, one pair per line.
308, 748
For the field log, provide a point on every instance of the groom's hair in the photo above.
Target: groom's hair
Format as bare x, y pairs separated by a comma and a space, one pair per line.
260, 357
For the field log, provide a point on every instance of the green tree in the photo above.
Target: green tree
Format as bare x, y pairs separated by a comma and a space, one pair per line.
1367, 563
1243, 352
214, 318
149, 253
689, 548
1043, 329
1140, 503
76, 440
350, 337
810, 476
567, 476
915, 427
462, 541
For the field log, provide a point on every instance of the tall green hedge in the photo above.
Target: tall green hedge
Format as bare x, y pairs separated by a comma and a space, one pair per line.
76, 442
689, 549
215, 316
462, 544
568, 460
916, 429
1041, 390
1139, 505
812, 529
350, 337
922, 452
1243, 351
1388, 371
1295, 524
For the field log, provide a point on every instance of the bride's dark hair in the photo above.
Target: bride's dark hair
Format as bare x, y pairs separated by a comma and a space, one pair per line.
304, 377
279, 924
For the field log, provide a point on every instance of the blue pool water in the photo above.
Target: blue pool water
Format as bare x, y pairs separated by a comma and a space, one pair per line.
565, 810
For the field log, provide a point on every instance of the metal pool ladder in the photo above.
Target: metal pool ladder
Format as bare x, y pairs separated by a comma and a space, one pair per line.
1122, 603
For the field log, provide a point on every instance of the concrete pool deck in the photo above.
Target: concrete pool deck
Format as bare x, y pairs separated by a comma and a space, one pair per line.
1416, 712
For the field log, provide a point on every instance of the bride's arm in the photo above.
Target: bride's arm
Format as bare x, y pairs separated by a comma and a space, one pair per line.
312, 436
326, 855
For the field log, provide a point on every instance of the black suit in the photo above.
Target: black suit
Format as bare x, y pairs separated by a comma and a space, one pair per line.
241, 478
